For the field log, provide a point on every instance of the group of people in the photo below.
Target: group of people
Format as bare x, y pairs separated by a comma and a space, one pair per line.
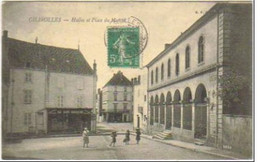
126, 140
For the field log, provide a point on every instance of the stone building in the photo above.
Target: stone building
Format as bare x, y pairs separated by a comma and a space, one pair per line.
52, 89
140, 117
185, 81
117, 101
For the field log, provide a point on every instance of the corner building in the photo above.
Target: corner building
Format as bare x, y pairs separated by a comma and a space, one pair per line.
51, 89
183, 80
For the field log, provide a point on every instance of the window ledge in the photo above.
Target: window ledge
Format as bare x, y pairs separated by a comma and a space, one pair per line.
187, 69
201, 63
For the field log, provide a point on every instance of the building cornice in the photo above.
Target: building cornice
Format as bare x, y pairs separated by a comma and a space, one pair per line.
194, 27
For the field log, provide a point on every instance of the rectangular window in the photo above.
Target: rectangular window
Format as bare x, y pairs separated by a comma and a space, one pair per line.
125, 89
125, 97
27, 96
29, 115
125, 106
144, 97
60, 101
28, 77
27, 119
25, 122
115, 107
115, 96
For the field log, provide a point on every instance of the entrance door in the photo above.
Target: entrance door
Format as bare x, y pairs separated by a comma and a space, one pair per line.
200, 121
138, 122
168, 117
125, 118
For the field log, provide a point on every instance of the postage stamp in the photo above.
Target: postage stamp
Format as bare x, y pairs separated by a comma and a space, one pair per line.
123, 46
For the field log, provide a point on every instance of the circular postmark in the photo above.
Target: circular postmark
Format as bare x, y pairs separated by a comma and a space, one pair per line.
126, 42
143, 37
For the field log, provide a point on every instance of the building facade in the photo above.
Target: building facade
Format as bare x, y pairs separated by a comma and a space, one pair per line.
140, 117
117, 94
99, 105
185, 81
52, 89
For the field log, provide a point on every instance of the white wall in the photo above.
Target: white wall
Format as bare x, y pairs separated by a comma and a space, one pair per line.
69, 91
140, 92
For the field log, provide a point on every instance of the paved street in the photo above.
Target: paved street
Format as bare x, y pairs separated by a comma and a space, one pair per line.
70, 148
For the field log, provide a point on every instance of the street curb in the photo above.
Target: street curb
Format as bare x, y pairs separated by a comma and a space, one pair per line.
196, 150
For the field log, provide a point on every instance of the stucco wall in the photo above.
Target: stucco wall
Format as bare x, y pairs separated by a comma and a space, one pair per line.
141, 100
16, 113
237, 134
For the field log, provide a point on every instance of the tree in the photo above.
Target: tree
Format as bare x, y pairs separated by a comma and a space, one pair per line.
235, 92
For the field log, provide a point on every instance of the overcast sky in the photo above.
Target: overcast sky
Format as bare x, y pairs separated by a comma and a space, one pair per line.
164, 22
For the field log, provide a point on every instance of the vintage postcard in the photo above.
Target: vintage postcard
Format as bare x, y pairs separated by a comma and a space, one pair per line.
127, 80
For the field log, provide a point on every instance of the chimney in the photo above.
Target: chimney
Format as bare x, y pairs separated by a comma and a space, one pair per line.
5, 34
132, 81
36, 40
95, 66
135, 80
166, 45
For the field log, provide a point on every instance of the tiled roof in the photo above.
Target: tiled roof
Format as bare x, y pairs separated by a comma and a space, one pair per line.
119, 80
40, 56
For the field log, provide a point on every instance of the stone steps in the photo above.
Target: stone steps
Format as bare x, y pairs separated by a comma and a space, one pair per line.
163, 135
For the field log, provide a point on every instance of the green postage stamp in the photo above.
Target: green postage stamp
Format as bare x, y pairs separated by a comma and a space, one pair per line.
123, 46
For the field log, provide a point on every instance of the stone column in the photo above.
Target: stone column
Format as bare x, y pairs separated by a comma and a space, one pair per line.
181, 116
165, 115
153, 114
193, 118
159, 113
172, 114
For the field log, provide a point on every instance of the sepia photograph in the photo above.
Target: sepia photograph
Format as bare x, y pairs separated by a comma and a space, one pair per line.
128, 80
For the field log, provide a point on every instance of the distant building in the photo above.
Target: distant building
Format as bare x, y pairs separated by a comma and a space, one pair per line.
140, 117
52, 89
117, 99
185, 81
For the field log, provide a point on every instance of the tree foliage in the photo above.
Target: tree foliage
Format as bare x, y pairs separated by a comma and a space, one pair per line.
235, 87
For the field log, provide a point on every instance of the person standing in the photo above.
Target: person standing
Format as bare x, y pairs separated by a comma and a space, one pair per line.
85, 137
113, 135
138, 134
127, 137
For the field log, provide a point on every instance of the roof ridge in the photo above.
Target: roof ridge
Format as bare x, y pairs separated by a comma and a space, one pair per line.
13, 39
119, 79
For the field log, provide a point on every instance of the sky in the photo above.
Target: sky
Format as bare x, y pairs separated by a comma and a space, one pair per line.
164, 22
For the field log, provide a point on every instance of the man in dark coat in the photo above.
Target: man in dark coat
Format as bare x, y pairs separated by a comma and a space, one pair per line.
138, 135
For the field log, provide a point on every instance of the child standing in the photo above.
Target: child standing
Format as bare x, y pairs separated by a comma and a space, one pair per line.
127, 137
85, 137
113, 135
138, 134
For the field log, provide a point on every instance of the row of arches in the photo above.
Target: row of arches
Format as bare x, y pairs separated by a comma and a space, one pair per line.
200, 96
167, 110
